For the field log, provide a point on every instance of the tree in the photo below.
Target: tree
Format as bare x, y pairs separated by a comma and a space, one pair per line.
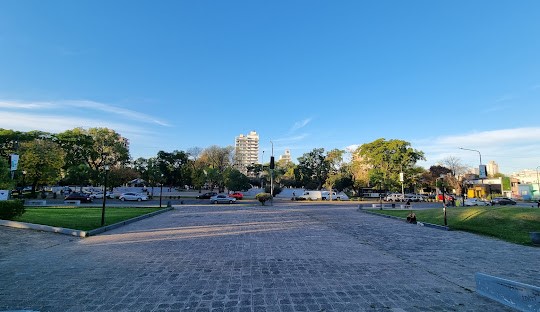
95, 147
6, 183
313, 168
455, 165
11, 140
43, 161
77, 175
217, 159
236, 180
386, 159
174, 167
334, 158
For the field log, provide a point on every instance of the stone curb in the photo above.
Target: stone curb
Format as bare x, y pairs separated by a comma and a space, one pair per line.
41, 227
430, 225
128, 221
77, 233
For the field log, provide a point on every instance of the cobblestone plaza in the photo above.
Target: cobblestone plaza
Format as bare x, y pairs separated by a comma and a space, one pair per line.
287, 257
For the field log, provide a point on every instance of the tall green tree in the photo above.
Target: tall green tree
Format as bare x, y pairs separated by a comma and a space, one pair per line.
386, 159
6, 183
43, 161
236, 180
95, 148
216, 159
174, 167
313, 168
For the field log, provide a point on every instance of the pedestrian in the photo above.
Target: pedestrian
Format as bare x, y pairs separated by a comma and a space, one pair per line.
293, 196
538, 203
411, 218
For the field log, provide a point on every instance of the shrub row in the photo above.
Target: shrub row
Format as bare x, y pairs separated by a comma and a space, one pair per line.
10, 209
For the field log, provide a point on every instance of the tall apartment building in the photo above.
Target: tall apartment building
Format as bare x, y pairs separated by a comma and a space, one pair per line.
492, 168
246, 149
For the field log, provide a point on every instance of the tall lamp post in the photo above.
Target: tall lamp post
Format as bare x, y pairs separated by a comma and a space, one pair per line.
443, 197
537, 180
23, 183
160, 190
479, 168
272, 173
106, 169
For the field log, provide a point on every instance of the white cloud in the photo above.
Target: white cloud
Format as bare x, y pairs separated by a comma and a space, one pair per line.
300, 124
513, 149
84, 104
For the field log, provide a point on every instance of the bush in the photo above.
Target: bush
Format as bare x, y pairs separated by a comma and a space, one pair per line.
263, 197
10, 209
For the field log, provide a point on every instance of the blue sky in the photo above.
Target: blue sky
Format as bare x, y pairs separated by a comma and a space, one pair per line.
170, 75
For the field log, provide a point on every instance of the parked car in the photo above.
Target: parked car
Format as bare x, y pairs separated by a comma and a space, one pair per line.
237, 195
133, 196
395, 197
99, 195
502, 201
84, 198
476, 202
207, 195
221, 198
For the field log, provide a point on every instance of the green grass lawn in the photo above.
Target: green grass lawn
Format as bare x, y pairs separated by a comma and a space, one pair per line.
80, 218
508, 223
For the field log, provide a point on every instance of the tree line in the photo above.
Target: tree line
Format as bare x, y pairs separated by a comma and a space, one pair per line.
80, 156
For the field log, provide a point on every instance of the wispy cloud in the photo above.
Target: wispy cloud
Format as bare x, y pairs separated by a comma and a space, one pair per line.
300, 124
82, 104
505, 98
513, 149
291, 139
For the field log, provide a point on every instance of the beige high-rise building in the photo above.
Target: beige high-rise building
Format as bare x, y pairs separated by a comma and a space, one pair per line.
246, 149
492, 168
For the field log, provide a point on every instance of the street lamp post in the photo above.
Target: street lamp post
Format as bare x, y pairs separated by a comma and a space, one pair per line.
106, 169
23, 183
443, 198
272, 173
160, 194
537, 180
479, 154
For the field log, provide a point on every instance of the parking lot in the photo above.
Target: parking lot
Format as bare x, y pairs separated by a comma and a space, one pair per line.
286, 257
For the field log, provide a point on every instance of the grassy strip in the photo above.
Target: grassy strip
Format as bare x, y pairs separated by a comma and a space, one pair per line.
80, 218
511, 224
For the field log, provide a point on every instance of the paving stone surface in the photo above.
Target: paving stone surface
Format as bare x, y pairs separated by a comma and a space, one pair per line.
287, 257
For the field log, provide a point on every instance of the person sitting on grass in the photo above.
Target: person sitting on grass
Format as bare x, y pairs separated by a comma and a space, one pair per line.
411, 218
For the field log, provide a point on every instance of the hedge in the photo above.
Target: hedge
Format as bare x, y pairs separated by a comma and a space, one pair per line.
10, 209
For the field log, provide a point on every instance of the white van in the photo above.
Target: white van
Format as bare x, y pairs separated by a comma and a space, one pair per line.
311, 195
335, 196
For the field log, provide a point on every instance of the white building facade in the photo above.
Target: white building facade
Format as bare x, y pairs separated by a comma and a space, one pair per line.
246, 149
286, 156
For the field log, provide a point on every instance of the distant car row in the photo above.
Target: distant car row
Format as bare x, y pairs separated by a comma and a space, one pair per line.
87, 198
494, 201
209, 195
398, 197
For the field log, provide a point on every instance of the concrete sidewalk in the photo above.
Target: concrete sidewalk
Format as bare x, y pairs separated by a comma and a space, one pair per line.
285, 257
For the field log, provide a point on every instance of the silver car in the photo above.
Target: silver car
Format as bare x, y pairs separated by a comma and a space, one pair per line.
476, 202
133, 196
217, 199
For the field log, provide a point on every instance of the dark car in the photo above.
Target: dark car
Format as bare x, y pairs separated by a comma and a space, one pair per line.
207, 195
84, 198
502, 201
